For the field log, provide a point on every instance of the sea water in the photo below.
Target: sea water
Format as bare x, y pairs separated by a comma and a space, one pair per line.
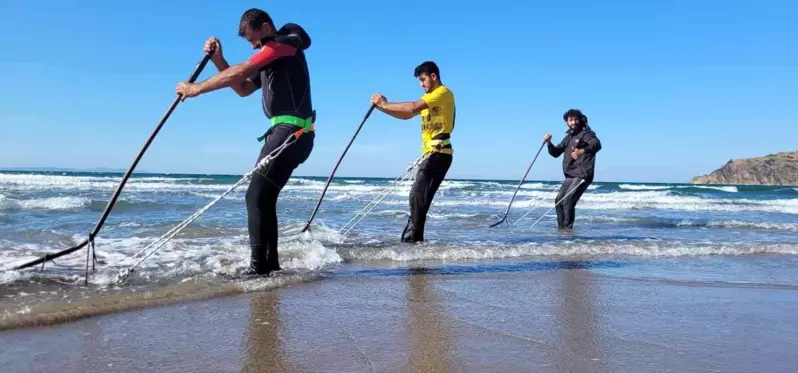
44, 212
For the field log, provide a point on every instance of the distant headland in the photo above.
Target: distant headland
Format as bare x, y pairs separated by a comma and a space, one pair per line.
772, 169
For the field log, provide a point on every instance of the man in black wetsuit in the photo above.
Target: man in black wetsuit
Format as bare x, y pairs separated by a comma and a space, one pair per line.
278, 67
580, 146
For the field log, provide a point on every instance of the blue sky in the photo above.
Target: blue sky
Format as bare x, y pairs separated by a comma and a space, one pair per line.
673, 88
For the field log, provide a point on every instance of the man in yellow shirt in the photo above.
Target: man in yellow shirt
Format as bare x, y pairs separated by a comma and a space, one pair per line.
437, 111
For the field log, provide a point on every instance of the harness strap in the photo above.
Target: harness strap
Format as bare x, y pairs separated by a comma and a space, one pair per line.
441, 146
307, 124
439, 143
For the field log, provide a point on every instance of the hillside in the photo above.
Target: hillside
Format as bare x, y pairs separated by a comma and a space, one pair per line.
773, 169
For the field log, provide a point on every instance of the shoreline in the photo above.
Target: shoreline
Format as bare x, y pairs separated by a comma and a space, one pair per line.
75, 303
130, 299
569, 317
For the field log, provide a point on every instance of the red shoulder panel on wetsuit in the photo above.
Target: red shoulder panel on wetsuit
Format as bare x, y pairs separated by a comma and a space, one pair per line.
270, 52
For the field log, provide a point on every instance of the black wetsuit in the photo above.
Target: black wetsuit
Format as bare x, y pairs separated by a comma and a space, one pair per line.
574, 170
285, 82
429, 177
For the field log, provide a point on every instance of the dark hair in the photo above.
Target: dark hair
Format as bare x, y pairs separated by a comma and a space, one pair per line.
576, 114
428, 67
253, 19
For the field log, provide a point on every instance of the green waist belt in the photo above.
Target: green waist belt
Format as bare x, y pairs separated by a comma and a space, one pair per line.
304, 123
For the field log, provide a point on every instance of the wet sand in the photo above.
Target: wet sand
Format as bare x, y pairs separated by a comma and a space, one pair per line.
559, 319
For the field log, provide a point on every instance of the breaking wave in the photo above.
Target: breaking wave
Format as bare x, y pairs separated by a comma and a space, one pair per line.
52, 203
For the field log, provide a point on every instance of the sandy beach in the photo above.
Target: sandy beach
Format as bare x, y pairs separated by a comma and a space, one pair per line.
537, 316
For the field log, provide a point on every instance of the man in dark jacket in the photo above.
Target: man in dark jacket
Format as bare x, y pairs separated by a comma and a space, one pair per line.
580, 146
280, 70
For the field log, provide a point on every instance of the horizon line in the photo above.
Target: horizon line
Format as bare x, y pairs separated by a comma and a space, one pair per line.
112, 170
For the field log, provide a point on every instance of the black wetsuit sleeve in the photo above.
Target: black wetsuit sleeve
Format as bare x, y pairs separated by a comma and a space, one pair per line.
593, 144
557, 150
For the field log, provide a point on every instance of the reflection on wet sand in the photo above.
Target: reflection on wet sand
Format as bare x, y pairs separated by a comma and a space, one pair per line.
578, 330
263, 344
549, 317
427, 330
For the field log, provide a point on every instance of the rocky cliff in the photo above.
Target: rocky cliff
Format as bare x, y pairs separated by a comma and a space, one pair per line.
774, 169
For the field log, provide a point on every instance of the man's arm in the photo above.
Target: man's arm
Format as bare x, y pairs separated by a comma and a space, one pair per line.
593, 144
236, 74
402, 110
557, 150
243, 88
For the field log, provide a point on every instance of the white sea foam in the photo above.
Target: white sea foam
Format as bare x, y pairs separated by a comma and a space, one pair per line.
753, 225
727, 188
178, 258
621, 200
538, 186
36, 182
560, 249
734, 223
52, 203
643, 187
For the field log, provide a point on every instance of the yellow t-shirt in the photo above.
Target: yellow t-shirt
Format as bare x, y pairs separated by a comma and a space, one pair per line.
437, 122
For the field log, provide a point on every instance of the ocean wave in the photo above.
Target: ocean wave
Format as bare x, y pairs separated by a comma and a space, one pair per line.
728, 188
391, 213
445, 216
632, 200
491, 184
643, 187
485, 251
453, 184
654, 222
750, 225
538, 186
542, 186
36, 182
303, 181
52, 203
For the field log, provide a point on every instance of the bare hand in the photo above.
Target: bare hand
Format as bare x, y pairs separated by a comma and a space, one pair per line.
213, 46
378, 100
576, 153
187, 90
547, 137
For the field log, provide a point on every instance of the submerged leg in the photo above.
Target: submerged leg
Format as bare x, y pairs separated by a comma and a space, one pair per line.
561, 214
262, 223
264, 189
570, 202
428, 179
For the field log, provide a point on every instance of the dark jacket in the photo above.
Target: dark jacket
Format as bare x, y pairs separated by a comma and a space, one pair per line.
285, 79
582, 138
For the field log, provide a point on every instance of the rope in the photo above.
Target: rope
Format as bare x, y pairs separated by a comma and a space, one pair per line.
520, 183
161, 241
555, 205
407, 175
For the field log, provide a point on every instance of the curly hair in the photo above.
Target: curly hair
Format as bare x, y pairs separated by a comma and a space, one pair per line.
575, 113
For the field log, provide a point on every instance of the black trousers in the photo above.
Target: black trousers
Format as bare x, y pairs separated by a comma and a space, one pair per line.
429, 176
566, 210
265, 187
